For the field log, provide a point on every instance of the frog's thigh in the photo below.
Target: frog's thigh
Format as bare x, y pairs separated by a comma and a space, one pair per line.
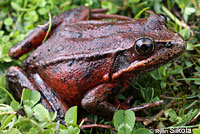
95, 101
54, 102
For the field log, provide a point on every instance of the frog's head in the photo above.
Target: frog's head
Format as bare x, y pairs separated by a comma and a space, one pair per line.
154, 46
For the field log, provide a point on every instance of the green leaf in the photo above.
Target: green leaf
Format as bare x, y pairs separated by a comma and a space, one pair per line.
197, 45
138, 14
196, 131
188, 117
163, 84
198, 12
71, 130
30, 97
15, 6
15, 105
185, 33
43, 11
1, 33
41, 113
13, 131
8, 21
53, 115
181, 112
5, 108
71, 115
23, 124
7, 121
142, 131
124, 121
197, 68
28, 110
190, 46
173, 115
188, 11
196, 80
7, 92
89, 3
31, 16
109, 5
41, 3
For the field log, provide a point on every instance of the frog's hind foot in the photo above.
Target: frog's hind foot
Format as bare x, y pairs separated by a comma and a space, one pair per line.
17, 81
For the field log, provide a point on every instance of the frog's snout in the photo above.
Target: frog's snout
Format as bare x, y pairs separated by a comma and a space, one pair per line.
179, 43
175, 47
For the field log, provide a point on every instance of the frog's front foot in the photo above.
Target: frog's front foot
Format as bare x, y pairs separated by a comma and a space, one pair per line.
97, 100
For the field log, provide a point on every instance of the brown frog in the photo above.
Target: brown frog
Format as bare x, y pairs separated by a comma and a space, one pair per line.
87, 61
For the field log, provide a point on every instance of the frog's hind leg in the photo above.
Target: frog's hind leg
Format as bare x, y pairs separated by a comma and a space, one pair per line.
99, 10
35, 38
54, 101
100, 16
97, 14
18, 80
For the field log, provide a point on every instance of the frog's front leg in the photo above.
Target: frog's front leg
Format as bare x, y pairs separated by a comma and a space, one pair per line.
96, 100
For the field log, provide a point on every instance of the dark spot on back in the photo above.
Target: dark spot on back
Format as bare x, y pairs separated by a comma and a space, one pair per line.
70, 62
71, 76
55, 70
87, 73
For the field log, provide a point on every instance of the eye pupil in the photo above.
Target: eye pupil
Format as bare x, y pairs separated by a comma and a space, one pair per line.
144, 46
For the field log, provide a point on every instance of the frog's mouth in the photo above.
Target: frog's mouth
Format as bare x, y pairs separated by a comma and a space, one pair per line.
164, 53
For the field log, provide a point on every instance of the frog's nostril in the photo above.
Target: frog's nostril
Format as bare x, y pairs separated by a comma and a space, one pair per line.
168, 44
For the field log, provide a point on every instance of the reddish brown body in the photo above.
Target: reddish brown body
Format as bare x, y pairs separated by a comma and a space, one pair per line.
86, 62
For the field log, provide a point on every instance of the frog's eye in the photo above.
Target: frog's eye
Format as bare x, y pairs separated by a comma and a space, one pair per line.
144, 46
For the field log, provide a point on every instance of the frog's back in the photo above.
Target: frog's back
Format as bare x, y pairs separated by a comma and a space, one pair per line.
85, 39
76, 55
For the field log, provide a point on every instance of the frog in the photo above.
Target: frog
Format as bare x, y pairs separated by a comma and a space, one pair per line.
90, 57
